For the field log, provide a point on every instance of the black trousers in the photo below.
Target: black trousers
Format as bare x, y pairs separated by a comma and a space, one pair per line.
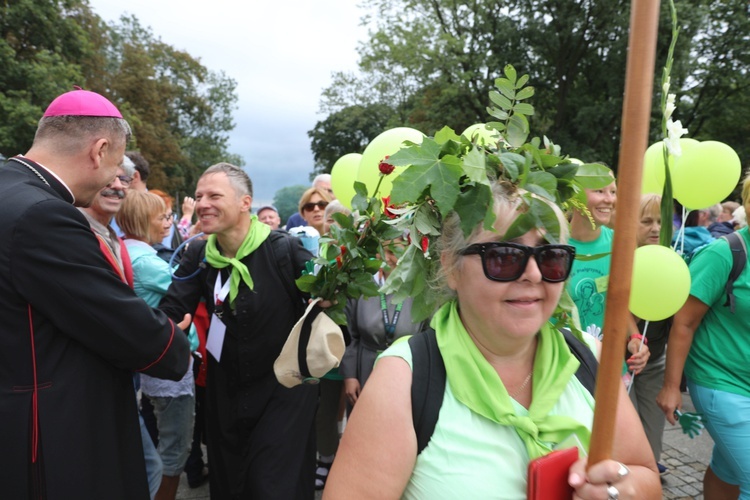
261, 438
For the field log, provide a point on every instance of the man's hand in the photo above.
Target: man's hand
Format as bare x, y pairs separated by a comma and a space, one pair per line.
185, 323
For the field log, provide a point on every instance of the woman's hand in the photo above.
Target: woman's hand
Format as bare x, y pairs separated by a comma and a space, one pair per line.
669, 399
607, 479
638, 359
185, 323
188, 208
352, 389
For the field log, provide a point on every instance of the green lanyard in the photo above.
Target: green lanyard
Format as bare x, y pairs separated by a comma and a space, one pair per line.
390, 328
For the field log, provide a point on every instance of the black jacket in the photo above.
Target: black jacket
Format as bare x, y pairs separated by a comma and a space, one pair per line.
88, 332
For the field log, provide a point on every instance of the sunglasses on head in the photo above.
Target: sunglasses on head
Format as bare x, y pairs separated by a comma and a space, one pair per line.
504, 261
311, 206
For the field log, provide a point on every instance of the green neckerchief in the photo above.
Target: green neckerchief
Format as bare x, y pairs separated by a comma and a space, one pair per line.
255, 236
476, 384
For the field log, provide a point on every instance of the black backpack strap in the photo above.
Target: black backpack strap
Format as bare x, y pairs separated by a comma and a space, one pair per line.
739, 258
427, 386
281, 248
586, 373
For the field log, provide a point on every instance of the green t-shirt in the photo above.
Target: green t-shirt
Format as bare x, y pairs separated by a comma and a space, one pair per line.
587, 284
719, 355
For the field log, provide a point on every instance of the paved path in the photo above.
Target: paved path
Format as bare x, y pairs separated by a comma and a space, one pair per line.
685, 458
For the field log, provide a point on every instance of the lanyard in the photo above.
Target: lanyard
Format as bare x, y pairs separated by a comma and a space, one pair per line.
390, 328
220, 293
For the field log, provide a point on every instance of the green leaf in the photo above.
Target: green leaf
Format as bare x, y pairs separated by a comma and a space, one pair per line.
359, 201
524, 223
440, 175
545, 218
499, 114
523, 109
522, 81
474, 166
343, 220
500, 100
306, 283
505, 87
518, 131
471, 207
510, 73
426, 221
564, 170
446, 134
593, 176
513, 164
525, 92
542, 183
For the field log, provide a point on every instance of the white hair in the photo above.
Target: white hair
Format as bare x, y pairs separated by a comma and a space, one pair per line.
321, 177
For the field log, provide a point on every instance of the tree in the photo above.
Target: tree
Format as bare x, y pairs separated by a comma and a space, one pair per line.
286, 200
433, 63
346, 131
180, 112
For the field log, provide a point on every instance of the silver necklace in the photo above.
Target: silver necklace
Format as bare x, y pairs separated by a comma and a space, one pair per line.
523, 386
32, 169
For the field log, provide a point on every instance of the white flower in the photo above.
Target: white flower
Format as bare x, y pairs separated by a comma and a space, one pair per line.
674, 132
670, 107
665, 87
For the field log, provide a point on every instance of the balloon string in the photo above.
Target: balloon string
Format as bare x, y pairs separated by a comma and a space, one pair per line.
640, 346
680, 239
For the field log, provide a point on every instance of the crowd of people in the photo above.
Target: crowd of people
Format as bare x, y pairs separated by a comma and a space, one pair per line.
119, 368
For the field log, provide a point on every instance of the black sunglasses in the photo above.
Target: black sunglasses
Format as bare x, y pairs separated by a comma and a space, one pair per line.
504, 261
311, 206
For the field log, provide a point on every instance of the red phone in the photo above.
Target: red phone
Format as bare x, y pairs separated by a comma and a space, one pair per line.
548, 475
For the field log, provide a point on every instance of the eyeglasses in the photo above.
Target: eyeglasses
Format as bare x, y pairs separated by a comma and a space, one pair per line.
125, 180
503, 261
168, 216
311, 206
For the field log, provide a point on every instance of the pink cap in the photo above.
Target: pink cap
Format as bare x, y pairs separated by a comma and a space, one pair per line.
82, 103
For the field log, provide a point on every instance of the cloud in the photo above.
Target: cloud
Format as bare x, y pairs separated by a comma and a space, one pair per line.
281, 55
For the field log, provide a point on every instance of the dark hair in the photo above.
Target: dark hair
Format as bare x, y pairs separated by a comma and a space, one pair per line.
141, 164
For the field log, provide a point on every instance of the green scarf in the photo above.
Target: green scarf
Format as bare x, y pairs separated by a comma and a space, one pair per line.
255, 236
477, 385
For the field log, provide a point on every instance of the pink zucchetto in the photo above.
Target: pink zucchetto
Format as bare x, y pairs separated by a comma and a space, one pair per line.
82, 103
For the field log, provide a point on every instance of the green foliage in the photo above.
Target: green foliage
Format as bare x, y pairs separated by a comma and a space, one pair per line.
450, 174
180, 112
433, 62
286, 200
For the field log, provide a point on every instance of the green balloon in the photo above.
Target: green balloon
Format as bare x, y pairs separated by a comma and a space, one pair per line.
343, 176
483, 135
660, 283
706, 174
385, 144
653, 165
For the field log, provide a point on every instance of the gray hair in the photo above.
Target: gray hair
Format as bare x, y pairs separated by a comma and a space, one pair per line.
321, 177
128, 166
336, 207
238, 178
68, 132
506, 202
713, 212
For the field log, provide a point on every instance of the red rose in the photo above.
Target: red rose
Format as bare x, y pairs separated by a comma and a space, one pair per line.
342, 248
425, 244
385, 167
386, 208
339, 262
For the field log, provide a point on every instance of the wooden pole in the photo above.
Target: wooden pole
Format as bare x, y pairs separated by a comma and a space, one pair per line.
636, 112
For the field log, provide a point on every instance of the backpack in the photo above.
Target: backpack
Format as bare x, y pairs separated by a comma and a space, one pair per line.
428, 379
739, 259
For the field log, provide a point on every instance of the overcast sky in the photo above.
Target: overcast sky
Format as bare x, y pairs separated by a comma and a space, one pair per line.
281, 54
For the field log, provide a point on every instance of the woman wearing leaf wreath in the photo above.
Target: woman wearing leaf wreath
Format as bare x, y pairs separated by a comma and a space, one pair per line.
511, 394
710, 342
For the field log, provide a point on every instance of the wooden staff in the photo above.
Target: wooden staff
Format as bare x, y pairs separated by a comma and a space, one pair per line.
636, 111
